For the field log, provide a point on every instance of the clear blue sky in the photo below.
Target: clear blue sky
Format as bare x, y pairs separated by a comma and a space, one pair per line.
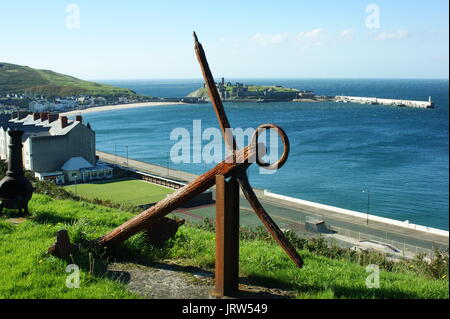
138, 39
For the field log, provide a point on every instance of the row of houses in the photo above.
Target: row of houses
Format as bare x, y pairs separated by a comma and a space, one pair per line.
42, 105
60, 104
38, 104
54, 147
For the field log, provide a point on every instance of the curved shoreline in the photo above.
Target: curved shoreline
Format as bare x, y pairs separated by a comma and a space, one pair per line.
104, 108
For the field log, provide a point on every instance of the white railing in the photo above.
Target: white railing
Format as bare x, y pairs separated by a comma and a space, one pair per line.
405, 224
405, 250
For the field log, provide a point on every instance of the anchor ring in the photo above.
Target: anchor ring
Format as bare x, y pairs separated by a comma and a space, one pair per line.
280, 162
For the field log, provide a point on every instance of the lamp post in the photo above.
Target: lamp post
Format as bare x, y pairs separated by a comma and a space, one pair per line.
368, 204
168, 163
76, 176
127, 156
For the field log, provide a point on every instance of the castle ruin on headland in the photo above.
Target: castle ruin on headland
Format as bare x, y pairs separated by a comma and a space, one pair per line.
240, 91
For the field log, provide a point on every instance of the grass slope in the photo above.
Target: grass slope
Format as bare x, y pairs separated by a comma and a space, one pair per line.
26, 271
130, 192
16, 78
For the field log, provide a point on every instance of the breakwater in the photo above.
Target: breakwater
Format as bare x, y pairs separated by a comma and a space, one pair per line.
392, 102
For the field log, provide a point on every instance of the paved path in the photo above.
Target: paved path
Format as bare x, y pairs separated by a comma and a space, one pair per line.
171, 281
145, 167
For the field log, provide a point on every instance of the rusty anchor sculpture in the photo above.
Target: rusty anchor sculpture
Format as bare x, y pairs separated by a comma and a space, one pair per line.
231, 143
227, 208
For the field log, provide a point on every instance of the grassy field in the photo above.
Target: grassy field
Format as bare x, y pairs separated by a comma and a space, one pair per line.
27, 271
131, 192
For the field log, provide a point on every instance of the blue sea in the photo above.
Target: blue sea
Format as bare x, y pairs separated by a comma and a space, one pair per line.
389, 161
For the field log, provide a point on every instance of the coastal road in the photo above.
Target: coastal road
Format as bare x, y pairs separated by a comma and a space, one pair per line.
293, 216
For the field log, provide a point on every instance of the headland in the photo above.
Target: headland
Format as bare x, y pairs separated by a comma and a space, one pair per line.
240, 92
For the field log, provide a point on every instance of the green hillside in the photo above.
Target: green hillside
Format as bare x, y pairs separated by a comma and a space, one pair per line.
27, 271
17, 79
201, 93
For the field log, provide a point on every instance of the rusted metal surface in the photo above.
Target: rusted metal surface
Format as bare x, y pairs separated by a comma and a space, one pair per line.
227, 237
225, 126
144, 220
147, 218
175, 200
62, 248
233, 166
284, 139
15, 189
160, 232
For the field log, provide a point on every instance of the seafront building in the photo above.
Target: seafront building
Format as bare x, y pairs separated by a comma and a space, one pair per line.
54, 148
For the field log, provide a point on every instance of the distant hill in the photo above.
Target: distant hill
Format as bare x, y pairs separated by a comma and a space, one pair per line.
18, 79
201, 93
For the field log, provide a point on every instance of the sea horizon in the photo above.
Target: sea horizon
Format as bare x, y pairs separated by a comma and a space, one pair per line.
265, 78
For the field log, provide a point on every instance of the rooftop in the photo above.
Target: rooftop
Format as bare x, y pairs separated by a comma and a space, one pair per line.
75, 164
28, 124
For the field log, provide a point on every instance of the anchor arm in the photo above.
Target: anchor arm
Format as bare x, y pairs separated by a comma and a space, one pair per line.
175, 200
272, 227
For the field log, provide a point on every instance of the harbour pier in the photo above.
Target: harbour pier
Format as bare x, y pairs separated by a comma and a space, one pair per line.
381, 101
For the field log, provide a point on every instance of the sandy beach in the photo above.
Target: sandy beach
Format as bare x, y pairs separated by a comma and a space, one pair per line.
118, 107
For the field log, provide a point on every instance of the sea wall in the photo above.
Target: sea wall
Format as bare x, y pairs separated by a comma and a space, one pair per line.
393, 102
325, 208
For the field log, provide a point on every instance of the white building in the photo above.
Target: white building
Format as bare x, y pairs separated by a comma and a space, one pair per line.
55, 148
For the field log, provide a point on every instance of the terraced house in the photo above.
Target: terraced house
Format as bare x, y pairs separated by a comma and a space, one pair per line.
54, 148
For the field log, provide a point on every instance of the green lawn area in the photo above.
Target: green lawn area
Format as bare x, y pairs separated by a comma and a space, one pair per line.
27, 271
131, 192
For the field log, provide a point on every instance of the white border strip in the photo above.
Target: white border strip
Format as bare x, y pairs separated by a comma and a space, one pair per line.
333, 209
